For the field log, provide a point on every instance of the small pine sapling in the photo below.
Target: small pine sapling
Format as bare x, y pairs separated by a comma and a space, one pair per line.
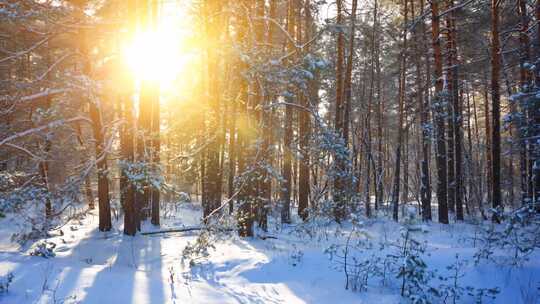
5, 281
451, 290
413, 271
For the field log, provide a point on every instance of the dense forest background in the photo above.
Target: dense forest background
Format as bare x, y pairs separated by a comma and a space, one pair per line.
284, 109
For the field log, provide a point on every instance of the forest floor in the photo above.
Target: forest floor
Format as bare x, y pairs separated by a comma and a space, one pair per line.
95, 267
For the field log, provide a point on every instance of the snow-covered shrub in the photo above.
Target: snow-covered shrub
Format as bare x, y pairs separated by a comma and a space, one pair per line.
451, 290
361, 270
349, 258
529, 294
198, 249
43, 249
35, 233
295, 256
143, 174
479, 294
5, 281
17, 198
519, 234
50, 295
320, 225
413, 272
21, 195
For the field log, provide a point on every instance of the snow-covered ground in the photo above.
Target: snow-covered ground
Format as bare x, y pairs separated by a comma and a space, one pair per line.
95, 267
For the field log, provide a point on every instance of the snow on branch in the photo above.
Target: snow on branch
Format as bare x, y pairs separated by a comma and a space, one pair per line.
44, 93
50, 125
24, 52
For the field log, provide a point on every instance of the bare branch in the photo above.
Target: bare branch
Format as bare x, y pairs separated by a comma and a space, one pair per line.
24, 150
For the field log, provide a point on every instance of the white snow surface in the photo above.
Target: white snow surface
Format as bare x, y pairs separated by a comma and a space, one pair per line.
109, 267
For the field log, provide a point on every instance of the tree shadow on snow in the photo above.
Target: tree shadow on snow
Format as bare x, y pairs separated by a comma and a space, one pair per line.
307, 277
135, 272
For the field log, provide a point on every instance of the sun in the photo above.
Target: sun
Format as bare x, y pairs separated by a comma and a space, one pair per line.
156, 56
161, 53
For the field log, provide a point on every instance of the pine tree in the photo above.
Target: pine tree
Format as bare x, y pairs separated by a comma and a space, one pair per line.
339, 182
401, 113
304, 126
127, 188
286, 187
496, 105
439, 115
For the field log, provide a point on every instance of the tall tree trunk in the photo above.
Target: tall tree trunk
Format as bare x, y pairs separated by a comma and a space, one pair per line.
525, 84
347, 84
127, 189
471, 171
450, 102
213, 18
479, 174
339, 182
496, 105
487, 129
144, 146
96, 116
456, 118
401, 113
245, 146
102, 169
304, 129
423, 103
458, 133
44, 164
232, 155
379, 179
262, 185
368, 114
287, 139
439, 115
155, 132
231, 127
143, 156
536, 121
405, 157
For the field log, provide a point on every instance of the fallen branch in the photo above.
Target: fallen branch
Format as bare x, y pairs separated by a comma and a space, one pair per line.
173, 230
187, 229
267, 237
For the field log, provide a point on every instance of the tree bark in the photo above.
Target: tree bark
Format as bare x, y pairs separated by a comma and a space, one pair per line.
304, 130
456, 116
496, 106
401, 113
535, 156
423, 103
525, 84
439, 116
347, 83
287, 139
339, 183
450, 82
